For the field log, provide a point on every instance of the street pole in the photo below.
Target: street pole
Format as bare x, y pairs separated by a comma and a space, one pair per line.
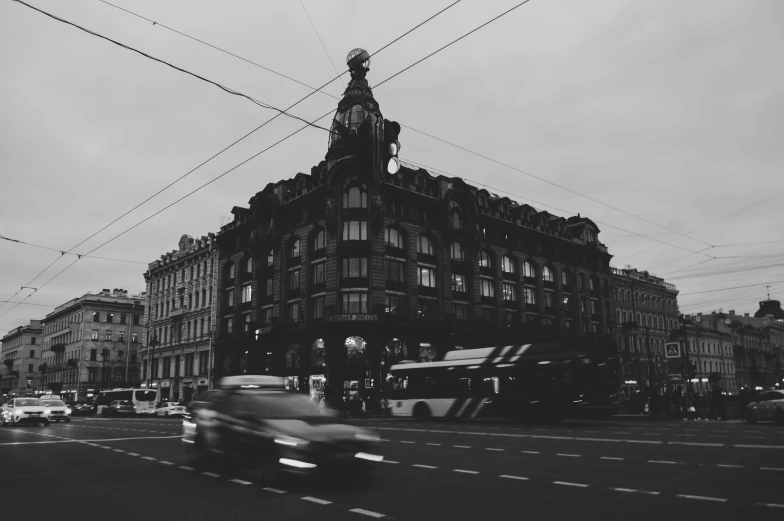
128, 346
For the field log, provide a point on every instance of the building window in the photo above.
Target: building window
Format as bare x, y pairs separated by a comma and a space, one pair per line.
122, 336
108, 336
461, 311
547, 274
91, 375
229, 325
484, 260
133, 357
294, 280
394, 270
458, 282
319, 271
270, 258
32, 353
455, 220
354, 268
123, 318
425, 309
231, 271
320, 241
425, 246
354, 197
355, 230
426, 277
394, 238
93, 355
96, 317
109, 318
393, 304
268, 291
317, 307
355, 302
249, 265
486, 288
510, 293
247, 293
266, 316
530, 295
230, 298
293, 309
564, 278
548, 299
507, 264
567, 307
528, 270
188, 364
94, 335
30, 368
458, 254
294, 249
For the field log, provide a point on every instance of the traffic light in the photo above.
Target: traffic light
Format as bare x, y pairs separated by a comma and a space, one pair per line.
391, 147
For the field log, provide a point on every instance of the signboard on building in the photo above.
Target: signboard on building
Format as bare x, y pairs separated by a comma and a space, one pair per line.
353, 317
676, 376
672, 349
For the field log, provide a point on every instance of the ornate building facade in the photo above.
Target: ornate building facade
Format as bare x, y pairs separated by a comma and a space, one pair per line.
92, 343
179, 316
21, 354
330, 277
646, 309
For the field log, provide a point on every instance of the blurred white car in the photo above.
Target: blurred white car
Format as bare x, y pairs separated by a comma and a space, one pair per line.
25, 410
170, 409
58, 411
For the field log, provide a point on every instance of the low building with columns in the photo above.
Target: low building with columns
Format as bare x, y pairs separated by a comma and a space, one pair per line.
179, 316
329, 277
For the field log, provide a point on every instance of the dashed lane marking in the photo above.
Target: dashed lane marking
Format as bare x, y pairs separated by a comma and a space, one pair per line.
462, 446
433, 444
389, 461
409, 442
771, 468
211, 474
424, 466
183, 467
529, 452
316, 500
570, 484
695, 444
118, 450
570, 455
611, 458
149, 458
494, 449
727, 466
364, 512
509, 476
741, 446
651, 434
241, 481
663, 462
166, 463
274, 490
774, 505
131, 454
702, 498
624, 489
462, 471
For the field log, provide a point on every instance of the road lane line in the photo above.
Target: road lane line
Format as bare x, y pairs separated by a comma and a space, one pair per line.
316, 500
663, 462
774, 505
741, 446
131, 454
466, 471
241, 482
651, 433
38, 442
529, 452
183, 467
274, 490
611, 458
650, 492
462, 446
433, 444
211, 474
771, 468
366, 512
118, 450
569, 484
592, 432
508, 476
136, 438
149, 458
621, 432
389, 461
624, 489
493, 449
702, 498
726, 466
570, 455
695, 444
408, 442
424, 466
166, 462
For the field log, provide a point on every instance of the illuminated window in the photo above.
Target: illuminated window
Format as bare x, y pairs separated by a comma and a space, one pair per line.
394, 238
425, 246
458, 254
507, 264
484, 260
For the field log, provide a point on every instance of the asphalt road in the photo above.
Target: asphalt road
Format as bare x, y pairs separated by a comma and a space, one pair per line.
131, 469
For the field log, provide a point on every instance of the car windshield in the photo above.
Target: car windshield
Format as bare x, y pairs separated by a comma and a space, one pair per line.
289, 406
54, 403
28, 402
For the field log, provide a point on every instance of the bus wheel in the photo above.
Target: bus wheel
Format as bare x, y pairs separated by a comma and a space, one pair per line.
422, 411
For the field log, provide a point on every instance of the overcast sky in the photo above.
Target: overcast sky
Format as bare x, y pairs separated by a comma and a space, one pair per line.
670, 110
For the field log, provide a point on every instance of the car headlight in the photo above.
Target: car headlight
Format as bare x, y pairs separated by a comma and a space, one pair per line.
19, 412
68, 411
291, 441
47, 412
367, 437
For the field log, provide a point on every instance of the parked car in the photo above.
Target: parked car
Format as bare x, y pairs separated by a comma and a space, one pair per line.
24, 410
170, 409
120, 408
82, 409
768, 407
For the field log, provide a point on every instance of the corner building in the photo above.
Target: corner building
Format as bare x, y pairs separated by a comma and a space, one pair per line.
179, 314
331, 277
21, 353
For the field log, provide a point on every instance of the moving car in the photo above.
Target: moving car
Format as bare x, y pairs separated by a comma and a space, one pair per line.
82, 409
58, 411
769, 407
119, 408
170, 409
25, 410
254, 422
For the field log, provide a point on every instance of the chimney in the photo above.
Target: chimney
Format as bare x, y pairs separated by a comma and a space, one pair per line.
106, 291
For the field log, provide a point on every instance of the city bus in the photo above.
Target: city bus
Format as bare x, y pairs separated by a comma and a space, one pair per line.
144, 400
532, 381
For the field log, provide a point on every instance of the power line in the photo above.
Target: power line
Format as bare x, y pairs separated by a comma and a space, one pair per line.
61, 252
27, 304
756, 203
728, 289
320, 40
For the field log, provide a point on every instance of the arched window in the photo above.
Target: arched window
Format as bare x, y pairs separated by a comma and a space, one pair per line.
354, 197
294, 250
320, 240
458, 254
394, 238
547, 274
564, 278
355, 348
507, 264
484, 260
591, 285
528, 270
249, 265
425, 246
231, 273
456, 220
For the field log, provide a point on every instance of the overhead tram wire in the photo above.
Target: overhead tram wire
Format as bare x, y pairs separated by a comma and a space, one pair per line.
223, 150
320, 40
422, 132
212, 180
61, 252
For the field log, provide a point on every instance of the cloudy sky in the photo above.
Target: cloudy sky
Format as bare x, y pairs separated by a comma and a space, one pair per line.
666, 114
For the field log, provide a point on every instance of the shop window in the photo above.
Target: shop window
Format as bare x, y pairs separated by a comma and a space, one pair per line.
292, 357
